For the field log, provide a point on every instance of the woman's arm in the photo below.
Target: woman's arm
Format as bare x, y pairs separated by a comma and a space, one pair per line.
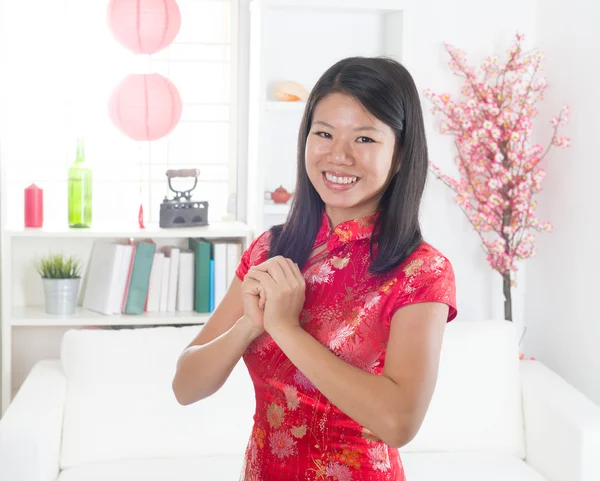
394, 404
205, 364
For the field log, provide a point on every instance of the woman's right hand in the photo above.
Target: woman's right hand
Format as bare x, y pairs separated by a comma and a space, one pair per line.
253, 297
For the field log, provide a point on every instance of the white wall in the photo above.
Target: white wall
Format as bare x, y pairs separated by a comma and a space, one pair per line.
480, 29
55, 89
563, 327
562, 311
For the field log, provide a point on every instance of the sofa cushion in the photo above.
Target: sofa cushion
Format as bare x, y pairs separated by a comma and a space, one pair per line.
120, 404
467, 467
218, 468
476, 406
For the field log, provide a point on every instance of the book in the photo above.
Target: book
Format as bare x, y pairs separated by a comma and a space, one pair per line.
172, 253
185, 287
102, 276
122, 277
164, 288
155, 284
211, 301
139, 276
202, 256
220, 271
234, 254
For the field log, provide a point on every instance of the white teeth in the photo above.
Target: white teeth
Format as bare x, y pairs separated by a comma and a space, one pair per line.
340, 180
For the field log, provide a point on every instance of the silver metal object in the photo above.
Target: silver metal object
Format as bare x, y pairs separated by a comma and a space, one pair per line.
61, 295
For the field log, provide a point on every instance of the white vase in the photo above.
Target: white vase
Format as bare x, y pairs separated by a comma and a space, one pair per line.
61, 295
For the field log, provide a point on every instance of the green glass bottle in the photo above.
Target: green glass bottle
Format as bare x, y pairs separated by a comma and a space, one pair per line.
80, 190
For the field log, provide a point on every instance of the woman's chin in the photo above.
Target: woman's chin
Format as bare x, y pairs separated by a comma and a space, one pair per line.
339, 201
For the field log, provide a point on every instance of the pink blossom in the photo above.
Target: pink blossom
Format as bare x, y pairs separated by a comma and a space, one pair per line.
497, 161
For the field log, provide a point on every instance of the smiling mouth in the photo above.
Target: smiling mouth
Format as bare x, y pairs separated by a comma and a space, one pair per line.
340, 180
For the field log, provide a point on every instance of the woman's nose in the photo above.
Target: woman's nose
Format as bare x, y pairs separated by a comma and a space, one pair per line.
340, 154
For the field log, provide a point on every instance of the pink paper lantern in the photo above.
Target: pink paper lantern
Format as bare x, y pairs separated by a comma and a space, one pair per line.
144, 26
145, 106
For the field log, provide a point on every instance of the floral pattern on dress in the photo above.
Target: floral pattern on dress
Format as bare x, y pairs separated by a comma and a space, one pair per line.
320, 273
283, 445
298, 433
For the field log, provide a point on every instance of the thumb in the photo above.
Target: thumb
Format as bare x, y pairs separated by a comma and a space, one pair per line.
262, 299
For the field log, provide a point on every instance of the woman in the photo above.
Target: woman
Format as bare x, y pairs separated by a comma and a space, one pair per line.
339, 314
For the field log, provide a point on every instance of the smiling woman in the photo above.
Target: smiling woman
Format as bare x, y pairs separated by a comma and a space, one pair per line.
341, 310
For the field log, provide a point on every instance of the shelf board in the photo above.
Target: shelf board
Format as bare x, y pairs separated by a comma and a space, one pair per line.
212, 231
277, 209
36, 316
280, 106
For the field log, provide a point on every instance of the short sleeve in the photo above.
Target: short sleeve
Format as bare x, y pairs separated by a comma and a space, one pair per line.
428, 278
256, 253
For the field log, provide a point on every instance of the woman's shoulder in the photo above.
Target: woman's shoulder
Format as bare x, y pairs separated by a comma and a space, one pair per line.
425, 258
260, 245
426, 275
256, 253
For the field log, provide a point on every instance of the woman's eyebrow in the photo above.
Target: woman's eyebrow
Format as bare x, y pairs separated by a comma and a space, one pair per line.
320, 122
357, 129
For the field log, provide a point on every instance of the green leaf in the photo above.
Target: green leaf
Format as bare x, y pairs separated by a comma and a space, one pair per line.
58, 266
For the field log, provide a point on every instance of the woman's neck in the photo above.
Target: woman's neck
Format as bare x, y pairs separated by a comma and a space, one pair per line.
338, 216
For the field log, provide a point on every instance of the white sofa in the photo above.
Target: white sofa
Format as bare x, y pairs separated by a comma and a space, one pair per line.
105, 411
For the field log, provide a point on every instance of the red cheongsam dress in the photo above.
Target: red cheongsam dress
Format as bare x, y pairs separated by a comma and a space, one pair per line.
298, 434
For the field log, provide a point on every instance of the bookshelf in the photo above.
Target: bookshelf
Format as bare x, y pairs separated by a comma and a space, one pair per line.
32, 316
234, 230
24, 320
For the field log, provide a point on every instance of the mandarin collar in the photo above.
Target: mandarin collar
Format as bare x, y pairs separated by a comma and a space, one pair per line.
355, 229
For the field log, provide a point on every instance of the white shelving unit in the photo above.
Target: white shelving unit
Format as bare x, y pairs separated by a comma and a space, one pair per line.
277, 209
297, 40
36, 316
29, 334
278, 106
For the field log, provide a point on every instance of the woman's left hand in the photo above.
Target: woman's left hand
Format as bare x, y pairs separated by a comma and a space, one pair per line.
284, 289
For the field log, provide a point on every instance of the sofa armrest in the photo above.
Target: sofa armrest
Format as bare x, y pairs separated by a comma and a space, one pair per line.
31, 428
562, 426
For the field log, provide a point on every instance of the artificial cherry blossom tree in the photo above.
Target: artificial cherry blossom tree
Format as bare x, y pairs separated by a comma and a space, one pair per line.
498, 164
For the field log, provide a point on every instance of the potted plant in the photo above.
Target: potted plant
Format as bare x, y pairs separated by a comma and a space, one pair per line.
498, 163
61, 276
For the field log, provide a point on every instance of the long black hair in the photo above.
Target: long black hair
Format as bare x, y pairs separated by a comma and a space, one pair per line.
387, 90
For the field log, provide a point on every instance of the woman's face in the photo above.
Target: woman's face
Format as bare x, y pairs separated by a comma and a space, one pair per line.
348, 157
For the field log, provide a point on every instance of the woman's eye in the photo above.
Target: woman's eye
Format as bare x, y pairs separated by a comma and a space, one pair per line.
325, 135
365, 139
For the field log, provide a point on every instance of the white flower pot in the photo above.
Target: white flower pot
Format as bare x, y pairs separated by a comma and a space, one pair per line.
61, 295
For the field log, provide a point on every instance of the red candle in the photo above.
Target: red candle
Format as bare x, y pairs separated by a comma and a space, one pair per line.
34, 206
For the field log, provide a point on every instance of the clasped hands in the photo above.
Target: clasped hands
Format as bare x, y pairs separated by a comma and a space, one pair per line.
273, 294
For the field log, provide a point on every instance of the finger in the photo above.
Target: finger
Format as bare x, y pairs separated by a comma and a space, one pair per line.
274, 268
287, 266
255, 288
262, 295
296, 271
251, 286
265, 279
